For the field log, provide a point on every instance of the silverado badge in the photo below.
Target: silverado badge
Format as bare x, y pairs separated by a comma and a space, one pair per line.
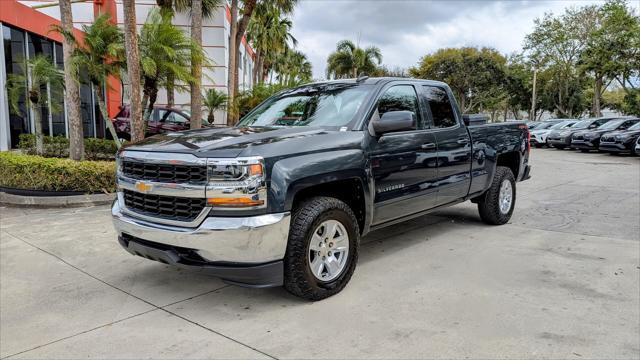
143, 187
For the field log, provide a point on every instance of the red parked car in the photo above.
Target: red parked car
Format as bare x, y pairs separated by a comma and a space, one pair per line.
163, 119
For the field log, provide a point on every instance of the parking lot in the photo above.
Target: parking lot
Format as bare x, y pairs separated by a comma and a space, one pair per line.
561, 280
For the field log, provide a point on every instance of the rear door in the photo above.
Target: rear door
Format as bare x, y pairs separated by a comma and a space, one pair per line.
454, 145
403, 163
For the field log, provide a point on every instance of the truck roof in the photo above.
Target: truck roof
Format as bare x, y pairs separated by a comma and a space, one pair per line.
377, 81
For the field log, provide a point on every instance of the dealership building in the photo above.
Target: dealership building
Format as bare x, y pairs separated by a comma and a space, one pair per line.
25, 29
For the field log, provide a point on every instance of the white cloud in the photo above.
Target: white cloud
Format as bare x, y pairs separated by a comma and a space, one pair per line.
407, 30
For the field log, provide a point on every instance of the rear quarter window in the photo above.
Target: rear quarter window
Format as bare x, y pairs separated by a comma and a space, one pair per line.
440, 105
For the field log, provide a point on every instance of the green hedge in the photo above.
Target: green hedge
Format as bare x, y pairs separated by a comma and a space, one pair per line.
31, 172
58, 146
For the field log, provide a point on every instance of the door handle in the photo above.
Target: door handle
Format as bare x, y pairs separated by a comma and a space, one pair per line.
462, 141
428, 146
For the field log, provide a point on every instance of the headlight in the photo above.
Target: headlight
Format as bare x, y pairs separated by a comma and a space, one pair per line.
238, 183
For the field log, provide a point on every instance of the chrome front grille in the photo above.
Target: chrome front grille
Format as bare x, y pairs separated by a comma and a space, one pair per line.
167, 207
607, 139
166, 173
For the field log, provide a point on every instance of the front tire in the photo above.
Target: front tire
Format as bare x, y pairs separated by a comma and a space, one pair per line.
322, 251
497, 203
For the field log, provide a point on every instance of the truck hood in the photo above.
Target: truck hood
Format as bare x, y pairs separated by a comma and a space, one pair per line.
243, 141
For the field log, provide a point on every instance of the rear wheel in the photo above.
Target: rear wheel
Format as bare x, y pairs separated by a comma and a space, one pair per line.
322, 250
496, 204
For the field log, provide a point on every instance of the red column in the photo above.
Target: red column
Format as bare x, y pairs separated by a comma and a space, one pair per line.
114, 90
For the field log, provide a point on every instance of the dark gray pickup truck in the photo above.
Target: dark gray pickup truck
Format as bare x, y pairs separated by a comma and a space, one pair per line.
284, 197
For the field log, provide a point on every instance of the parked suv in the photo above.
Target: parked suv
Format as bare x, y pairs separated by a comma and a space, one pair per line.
587, 140
539, 134
561, 139
162, 120
284, 197
621, 140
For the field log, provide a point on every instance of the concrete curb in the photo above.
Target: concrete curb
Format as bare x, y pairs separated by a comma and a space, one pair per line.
56, 201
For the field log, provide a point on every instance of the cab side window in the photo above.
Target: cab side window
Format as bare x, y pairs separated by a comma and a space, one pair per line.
399, 98
441, 110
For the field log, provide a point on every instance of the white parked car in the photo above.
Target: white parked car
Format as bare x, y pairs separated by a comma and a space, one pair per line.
540, 132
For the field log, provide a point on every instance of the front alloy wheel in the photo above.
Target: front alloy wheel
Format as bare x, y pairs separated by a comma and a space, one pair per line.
322, 250
328, 250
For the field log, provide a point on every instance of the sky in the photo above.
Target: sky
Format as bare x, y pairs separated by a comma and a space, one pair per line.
407, 30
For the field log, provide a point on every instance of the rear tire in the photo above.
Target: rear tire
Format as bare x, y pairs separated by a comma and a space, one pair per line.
493, 207
308, 217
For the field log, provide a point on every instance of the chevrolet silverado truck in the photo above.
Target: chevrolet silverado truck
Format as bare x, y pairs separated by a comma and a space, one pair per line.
284, 197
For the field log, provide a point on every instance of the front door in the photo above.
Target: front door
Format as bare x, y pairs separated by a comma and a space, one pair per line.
454, 146
404, 164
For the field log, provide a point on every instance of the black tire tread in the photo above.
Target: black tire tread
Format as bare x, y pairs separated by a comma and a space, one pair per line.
488, 203
295, 263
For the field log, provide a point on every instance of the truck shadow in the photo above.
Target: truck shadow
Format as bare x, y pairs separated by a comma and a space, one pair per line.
399, 237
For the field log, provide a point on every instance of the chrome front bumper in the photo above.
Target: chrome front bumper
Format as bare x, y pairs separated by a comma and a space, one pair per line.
222, 240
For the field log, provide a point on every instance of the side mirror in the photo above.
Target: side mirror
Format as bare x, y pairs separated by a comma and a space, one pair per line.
394, 121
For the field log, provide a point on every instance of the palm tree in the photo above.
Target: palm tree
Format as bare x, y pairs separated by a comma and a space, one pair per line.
165, 51
270, 35
102, 55
133, 69
293, 68
72, 95
206, 8
196, 65
214, 100
237, 33
42, 72
351, 60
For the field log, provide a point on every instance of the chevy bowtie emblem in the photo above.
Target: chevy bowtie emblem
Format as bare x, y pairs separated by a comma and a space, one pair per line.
143, 187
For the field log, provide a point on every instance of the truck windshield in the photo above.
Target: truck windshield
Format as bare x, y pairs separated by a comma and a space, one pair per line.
333, 105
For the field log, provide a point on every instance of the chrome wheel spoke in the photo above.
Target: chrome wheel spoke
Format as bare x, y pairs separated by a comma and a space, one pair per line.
316, 240
317, 265
328, 250
333, 266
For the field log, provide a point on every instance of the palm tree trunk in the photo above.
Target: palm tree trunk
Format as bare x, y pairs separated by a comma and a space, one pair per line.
247, 9
211, 118
37, 120
72, 91
196, 65
133, 69
105, 115
170, 92
254, 75
232, 60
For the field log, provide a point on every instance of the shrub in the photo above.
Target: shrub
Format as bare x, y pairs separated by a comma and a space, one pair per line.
58, 146
20, 171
